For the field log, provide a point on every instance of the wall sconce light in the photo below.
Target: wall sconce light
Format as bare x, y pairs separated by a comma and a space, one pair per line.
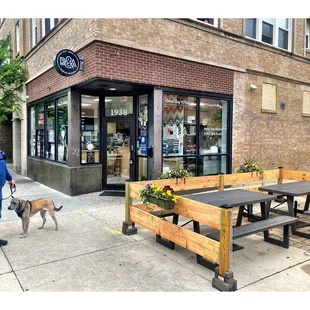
253, 87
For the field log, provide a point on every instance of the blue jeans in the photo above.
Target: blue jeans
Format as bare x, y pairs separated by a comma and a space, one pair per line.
0, 202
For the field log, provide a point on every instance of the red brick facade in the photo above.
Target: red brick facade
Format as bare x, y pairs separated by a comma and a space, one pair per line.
125, 64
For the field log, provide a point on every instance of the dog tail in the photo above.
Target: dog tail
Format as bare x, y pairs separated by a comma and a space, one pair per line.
58, 209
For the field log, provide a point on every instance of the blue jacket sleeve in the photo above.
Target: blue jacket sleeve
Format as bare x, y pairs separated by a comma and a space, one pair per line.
7, 174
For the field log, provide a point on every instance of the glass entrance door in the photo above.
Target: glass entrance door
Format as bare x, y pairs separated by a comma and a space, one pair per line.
119, 160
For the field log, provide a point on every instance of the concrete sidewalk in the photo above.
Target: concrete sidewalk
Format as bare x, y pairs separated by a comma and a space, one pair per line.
89, 253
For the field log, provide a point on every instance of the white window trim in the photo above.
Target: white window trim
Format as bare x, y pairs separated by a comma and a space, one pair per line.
216, 22
307, 33
17, 37
275, 24
52, 22
34, 30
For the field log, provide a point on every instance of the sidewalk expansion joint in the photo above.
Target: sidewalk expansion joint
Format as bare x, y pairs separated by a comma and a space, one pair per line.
275, 273
13, 271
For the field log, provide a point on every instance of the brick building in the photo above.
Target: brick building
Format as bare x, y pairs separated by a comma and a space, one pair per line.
201, 92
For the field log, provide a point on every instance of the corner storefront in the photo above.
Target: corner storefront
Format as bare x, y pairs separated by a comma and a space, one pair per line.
94, 130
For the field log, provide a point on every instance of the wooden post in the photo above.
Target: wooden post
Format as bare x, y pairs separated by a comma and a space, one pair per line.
221, 182
228, 283
225, 241
128, 202
280, 179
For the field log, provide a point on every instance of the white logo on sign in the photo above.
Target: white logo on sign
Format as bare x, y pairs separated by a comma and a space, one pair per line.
68, 62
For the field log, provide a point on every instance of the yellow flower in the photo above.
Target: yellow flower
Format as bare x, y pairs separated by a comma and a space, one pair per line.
169, 193
153, 185
174, 199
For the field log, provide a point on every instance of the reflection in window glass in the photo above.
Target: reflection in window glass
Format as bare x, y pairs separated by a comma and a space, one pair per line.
142, 125
40, 130
250, 28
179, 125
90, 129
213, 126
267, 33
32, 132
210, 165
62, 129
50, 131
142, 168
186, 162
283, 39
118, 106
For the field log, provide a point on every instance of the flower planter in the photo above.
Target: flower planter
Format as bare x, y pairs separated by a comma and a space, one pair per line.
160, 202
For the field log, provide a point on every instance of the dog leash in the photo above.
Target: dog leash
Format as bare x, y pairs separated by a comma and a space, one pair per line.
13, 190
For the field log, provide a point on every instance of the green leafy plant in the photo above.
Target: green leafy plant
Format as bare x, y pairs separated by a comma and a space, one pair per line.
250, 165
157, 191
175, 173
12, 76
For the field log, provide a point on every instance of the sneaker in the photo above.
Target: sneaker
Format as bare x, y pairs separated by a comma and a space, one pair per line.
3, 242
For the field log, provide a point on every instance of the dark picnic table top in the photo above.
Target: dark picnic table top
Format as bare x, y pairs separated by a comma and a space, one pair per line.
290, 189
231, 198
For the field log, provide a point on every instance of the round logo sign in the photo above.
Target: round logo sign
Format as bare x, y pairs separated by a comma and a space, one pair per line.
67, 63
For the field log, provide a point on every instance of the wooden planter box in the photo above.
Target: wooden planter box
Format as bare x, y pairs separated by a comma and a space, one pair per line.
162, 203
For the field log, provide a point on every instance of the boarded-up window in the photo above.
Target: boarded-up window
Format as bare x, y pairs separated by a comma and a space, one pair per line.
269, 97
306, 103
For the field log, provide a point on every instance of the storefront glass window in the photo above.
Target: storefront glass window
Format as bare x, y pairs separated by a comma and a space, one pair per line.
32, 134
179, 125
191, 140
40, 130
62, 129
90, 129
50, 131
118, 106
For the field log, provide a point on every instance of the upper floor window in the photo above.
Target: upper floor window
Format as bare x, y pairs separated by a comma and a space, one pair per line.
273, 31
17, 37
48, 24
307, 33
211, 21
34, 32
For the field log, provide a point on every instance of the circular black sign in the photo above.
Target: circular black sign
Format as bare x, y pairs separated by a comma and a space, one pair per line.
67, 63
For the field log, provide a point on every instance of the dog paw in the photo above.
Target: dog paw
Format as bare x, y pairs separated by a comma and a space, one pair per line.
23, 236
40, 227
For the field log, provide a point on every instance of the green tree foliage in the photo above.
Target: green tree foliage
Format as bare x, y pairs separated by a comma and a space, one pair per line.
12, 76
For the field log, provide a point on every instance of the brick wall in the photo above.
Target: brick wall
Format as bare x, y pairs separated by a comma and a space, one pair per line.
126, 64
6, 138
280, 139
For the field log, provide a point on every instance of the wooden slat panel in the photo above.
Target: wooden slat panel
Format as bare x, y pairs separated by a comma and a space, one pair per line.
190, 240
296, 175
224, 241
241, 178
190, 184
198, 211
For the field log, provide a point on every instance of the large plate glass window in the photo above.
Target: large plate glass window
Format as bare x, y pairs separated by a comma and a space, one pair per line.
40, 130
50, 131
62, 129
90, 129
213, 136
179, 131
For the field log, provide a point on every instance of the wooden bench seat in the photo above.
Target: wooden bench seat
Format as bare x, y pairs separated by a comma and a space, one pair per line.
263, 226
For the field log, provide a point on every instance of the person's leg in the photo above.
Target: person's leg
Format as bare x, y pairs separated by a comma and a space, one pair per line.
2, 242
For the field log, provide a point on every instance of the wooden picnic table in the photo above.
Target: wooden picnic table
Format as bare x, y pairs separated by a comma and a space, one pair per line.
291, 190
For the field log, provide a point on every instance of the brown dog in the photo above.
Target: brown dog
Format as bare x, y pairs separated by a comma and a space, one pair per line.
25, 209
